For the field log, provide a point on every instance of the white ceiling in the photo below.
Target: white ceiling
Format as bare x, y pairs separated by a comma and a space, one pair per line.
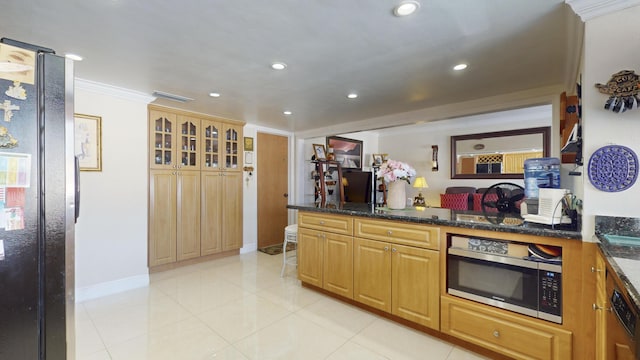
332, 47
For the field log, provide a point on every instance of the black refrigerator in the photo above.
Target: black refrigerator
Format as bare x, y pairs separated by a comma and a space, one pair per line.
38, 185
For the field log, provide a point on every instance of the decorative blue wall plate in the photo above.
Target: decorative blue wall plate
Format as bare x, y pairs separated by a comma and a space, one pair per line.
613, 168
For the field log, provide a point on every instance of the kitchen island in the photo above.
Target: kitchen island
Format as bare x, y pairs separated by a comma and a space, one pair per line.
396, 263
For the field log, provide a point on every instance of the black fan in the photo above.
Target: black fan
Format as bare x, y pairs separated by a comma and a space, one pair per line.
501, 199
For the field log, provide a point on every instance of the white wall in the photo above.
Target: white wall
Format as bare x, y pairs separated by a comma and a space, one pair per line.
111, 233
611, 45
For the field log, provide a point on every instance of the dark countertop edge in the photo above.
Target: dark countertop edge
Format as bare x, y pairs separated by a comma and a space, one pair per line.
609, 253
562, 234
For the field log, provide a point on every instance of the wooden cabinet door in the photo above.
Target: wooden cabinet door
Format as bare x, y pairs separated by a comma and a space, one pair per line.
162, 140
310, 256
338, 264
415, 291
233, 148
211, 213
211, 145
188, 215
162, 217
372, 273
188, 143
231, 210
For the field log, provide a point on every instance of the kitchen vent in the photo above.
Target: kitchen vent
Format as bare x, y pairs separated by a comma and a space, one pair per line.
169, 96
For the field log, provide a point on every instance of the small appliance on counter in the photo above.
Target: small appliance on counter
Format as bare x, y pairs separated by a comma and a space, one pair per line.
550, 209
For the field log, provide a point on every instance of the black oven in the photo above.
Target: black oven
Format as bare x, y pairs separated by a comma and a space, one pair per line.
517, 284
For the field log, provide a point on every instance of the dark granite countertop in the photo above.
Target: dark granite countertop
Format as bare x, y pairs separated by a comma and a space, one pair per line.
445, 217
624, 259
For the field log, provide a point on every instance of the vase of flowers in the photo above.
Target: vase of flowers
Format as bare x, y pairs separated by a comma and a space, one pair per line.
395, 173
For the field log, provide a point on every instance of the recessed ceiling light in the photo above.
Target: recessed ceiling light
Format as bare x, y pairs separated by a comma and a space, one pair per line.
287, 112
214, 94
406, 8
460, 67
73, 57
352, 95
278, 66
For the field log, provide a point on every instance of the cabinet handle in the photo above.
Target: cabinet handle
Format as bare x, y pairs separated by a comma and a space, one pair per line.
394, 249
496, 333
321, 222
593, 269
596, 307
386, 248
389, 232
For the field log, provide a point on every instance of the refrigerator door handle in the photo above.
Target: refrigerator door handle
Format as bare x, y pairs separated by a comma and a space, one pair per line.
77, 188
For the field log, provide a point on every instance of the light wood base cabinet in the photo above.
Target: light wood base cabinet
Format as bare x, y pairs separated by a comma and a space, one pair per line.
325, 258
401, 280
174, 209
502, 332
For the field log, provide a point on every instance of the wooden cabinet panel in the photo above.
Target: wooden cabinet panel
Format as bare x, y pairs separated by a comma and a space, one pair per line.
162, 217
502, 332
401, 233
372, 273
338, 224
310, 256
162, 139
188, 143
338, 264
188, 215
415, 278
231, 210
210, 210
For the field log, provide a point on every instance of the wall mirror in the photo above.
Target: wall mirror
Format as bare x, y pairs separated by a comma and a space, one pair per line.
497, 155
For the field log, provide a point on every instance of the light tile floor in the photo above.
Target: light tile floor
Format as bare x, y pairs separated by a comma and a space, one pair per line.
240, 308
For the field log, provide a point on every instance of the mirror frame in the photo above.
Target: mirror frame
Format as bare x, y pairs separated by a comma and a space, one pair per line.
546, 142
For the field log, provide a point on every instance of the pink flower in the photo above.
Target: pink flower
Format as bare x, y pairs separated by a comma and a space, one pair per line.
392, 170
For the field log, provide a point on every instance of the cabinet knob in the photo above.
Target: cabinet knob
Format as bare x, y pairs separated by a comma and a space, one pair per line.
389, 232
394, 249
321, 222
496, 333
386, 248
593, 269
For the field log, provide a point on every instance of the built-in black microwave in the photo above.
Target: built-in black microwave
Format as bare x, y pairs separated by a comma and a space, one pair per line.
517, 284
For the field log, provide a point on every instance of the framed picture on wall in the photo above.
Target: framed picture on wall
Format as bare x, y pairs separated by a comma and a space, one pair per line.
88, 142
347, 152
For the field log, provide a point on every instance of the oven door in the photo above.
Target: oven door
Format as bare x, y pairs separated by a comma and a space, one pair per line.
501, 281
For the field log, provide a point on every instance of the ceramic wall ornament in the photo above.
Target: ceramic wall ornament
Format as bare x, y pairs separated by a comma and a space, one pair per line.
7, 141
16, 91
613, 168
8, 108
623, 89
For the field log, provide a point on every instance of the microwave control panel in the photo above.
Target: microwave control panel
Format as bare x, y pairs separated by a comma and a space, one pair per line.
550, 296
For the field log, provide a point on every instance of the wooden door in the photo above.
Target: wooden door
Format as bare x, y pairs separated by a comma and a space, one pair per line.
231, 210
415, 292
372, 273
188, 215
272, 176
162, 217
310, 255
338, 264
211, 212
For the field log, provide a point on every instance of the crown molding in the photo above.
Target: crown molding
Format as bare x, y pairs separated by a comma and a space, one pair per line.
96, 87
589, 9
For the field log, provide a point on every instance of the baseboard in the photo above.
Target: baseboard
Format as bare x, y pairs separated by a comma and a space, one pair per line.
110, 287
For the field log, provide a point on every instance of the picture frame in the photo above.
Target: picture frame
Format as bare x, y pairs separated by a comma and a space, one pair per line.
319, 151
248, 143
385, 157
377, 159
88, 141
348, 152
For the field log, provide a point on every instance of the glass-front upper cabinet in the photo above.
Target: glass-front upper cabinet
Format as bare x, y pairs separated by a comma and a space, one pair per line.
162, 139
211, 138
221, 146
189, 132
232, 147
